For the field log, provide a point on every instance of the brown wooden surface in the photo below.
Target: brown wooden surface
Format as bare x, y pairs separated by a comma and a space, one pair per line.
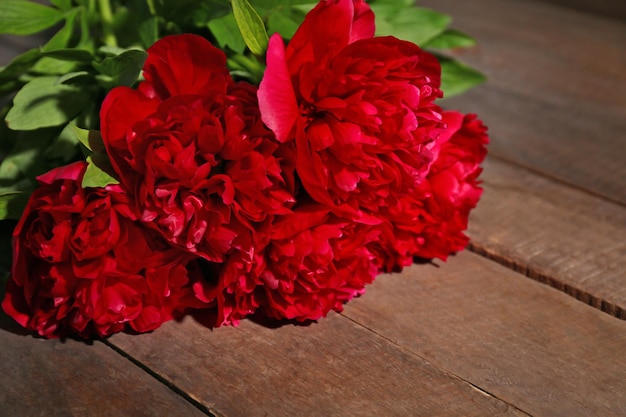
71, 378
333, 368
556, 97
615, 9
568, 239
524, 343
470, 321
472, 337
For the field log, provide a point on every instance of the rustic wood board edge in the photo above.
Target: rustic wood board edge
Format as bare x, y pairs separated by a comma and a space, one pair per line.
549, 104
523, 213
523, 342
162, 379
58, 378
333, 368
551, 281
613, 9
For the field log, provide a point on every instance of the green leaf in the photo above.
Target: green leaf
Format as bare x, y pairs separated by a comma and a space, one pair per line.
12, 204
25, 160
415, 24
82, 135
7, 87
451, 38
122, 69
457, 77
98, 172
251, 26
20, 64
20, 17
284, 21
53, 66
92, 139
247, 66
227, 33
304, 7
63, 149
62, 4
72, 76
149, 31
44, 102
70, 54
62, 38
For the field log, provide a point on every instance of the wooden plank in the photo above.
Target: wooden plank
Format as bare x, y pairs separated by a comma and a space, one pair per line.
70, 378
615, 9
521, 341
556, 96
555, 234
331, 368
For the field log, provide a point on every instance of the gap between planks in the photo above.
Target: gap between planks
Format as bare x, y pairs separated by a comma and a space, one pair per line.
521, 264
524, 269
502, 157
449, 372
211, 411
163, 380
415, 339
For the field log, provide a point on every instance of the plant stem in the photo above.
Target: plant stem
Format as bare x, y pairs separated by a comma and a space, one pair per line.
106, 15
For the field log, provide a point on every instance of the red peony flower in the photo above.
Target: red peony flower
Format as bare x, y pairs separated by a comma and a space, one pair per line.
369, 140
82, 264
360, 109
190, 148
314, 263
284, 200
451, 188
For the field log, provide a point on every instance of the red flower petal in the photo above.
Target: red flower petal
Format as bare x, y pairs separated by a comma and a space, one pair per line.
325, 31
363, 26
277, 99
186, 64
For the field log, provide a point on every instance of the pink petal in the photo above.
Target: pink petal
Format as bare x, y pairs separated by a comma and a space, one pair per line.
277, 100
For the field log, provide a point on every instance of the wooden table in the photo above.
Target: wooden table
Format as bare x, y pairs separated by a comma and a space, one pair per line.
529, 322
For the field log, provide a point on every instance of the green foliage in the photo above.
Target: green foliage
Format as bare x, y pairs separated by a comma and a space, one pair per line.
21, 17
52, 94
120, 69
430, 30
415, 24
43, 102
450, 39
28, 154
12, 204
456, 77
98, 173
227, 33
251, 26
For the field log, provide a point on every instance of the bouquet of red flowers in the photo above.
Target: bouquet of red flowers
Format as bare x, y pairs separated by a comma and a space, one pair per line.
279, 180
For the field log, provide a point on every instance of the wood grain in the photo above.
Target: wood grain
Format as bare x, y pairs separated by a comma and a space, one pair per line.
556, 96
615, 9
523, 342
555, 234
52, 378
332, 368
